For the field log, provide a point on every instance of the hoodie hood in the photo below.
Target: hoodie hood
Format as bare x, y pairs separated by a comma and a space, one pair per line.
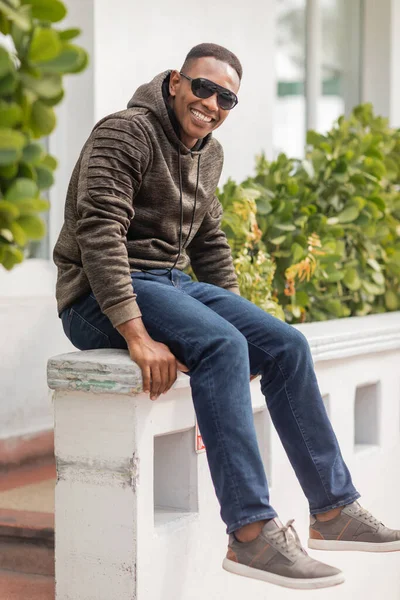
150, 96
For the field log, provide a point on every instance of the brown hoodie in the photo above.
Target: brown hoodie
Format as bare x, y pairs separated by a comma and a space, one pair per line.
122, 211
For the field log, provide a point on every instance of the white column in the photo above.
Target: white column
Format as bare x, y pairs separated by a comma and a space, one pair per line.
313, 62
381, 58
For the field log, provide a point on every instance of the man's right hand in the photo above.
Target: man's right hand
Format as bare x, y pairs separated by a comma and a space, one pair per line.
159, 366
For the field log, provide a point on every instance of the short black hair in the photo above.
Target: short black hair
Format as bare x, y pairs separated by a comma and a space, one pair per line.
218, 52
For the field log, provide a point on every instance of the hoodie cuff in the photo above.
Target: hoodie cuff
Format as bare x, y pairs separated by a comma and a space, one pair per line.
122, 312
235, 289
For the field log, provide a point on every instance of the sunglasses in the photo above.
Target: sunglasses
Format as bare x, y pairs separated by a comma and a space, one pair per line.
204, 88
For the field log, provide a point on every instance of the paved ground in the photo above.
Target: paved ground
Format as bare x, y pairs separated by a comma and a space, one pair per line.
17, 586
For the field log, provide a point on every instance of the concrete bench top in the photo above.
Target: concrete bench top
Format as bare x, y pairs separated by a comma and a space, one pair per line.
113, 371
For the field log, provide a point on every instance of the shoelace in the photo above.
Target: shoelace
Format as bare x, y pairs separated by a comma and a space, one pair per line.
289, 541
363, 512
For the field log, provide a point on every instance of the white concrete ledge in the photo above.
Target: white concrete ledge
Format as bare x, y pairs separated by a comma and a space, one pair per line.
342, 338
113, 371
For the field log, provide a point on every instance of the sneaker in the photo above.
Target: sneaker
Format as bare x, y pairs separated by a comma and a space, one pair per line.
277, 556
353, 529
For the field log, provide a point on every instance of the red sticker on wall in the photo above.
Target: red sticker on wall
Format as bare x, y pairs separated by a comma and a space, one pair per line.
199, 444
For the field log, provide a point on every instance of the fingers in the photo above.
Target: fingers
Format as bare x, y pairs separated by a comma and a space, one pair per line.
172, 373
146, 378
182, 367
159, 376
156, 382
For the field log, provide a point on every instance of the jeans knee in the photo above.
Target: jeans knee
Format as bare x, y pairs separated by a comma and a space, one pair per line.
298, 345
230, 344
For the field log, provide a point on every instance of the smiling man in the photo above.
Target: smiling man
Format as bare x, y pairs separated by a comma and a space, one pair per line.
140, 206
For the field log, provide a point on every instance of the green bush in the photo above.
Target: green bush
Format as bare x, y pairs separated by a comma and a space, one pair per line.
31, 84
331, 222
254, 268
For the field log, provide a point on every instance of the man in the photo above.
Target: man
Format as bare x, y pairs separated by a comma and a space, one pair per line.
141, 204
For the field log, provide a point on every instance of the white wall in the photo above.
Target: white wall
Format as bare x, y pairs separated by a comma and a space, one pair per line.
138, 41
30, 328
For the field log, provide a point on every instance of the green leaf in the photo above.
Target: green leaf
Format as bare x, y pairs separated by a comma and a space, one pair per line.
348, 215
374, 264
19, 234
18, 15
8, 84
302, 299
45, 177
278, 240
6, 63
11, 256
378, 201
27, 171
50, 162
9, 171
297, 252
33, 153
33, 226
334, 276
8, 211
47, 10
5, 29
11, 144
54, 100
21, 189
45, 45
285, 226
314, 138
264, 206
10, 114
43, 119
378, 278
372, 289
351, 279
69, 34
292, 187
71, 59
31, 206
48, 86
335, 307
333, 221
391, 300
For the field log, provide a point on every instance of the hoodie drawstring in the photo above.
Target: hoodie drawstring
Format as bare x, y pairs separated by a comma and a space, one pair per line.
181, 246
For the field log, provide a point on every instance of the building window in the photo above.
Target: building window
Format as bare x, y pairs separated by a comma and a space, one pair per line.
340, 60
290, 70
318, 67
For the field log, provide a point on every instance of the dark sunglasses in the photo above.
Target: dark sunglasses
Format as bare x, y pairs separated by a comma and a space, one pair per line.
204, 88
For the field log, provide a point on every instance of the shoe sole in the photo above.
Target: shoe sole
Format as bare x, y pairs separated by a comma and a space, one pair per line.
354, 546
289, 582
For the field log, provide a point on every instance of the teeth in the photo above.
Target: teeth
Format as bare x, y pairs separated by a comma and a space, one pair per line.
200, 116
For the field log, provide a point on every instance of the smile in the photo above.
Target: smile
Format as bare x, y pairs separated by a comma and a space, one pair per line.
200, 117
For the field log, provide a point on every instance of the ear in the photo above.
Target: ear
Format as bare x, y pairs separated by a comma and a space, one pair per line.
174, 82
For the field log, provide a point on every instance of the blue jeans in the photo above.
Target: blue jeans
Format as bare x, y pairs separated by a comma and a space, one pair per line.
223, 338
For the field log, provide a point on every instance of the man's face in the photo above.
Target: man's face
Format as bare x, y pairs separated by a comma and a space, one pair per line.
187, 106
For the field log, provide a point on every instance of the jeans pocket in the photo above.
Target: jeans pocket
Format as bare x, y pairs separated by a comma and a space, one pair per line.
84, 335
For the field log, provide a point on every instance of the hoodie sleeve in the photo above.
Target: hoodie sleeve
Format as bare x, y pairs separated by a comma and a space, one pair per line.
112, 166
210, 254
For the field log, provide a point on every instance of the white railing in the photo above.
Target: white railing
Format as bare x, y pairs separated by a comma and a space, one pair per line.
136, 513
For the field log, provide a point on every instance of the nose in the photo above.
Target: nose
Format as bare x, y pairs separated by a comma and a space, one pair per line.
210, 103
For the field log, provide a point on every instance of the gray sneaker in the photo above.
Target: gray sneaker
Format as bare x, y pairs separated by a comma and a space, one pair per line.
354, 529
277, 556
